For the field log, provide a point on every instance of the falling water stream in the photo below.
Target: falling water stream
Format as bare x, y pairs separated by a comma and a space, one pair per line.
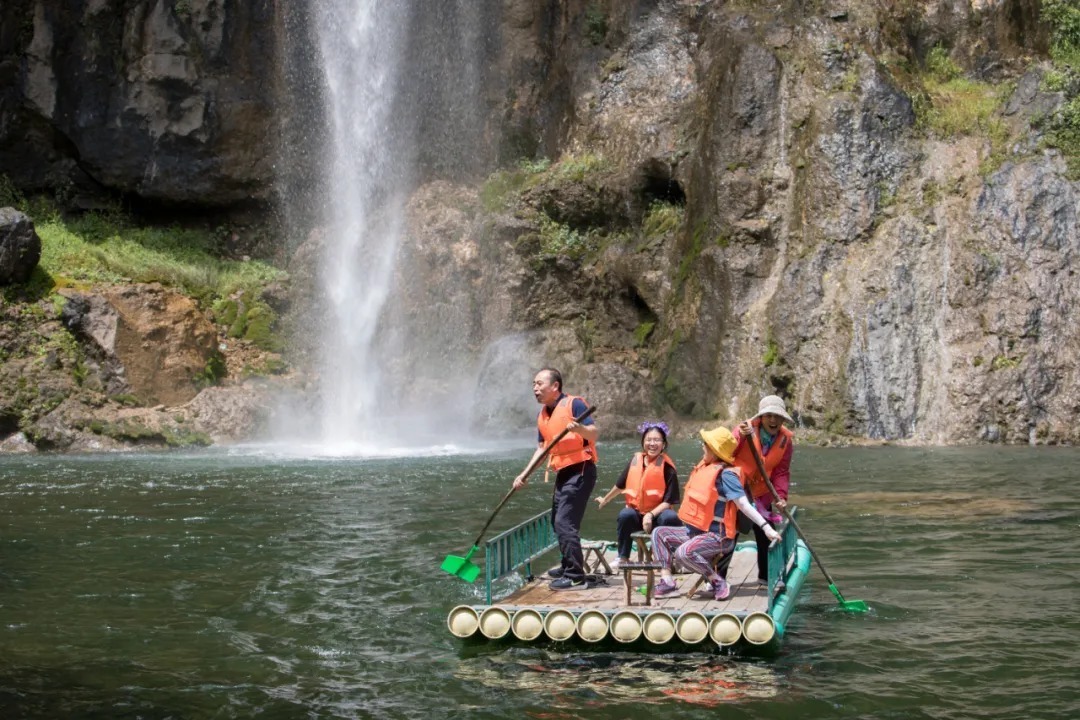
386, 95
360, 53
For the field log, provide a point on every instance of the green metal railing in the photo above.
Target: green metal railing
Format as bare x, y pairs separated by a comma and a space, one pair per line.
517, 548
782, 556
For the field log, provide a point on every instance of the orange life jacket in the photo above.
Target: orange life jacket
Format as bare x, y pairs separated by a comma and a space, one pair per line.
744, 458
698, 505
731, 510
699, 496
645, 482
572, 449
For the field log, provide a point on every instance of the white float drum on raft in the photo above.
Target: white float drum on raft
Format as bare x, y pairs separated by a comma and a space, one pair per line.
559, 625
725, 629
625, 626
758, 628
592, 626
692, 627
462, 621
494, 623
527, 625
658, 627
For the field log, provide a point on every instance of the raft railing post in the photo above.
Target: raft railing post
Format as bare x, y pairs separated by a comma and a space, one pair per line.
517, 547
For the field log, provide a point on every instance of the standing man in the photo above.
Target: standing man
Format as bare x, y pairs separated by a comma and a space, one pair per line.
574, 461
775, 443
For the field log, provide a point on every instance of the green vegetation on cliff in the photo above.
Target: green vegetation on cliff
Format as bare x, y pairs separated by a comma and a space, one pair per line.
111, 248
1063, 129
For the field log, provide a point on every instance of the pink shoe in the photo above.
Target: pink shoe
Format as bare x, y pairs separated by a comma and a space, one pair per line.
665, 588
721, 590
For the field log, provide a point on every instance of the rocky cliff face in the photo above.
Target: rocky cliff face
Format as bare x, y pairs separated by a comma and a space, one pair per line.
822, 243
165, 102
718, 200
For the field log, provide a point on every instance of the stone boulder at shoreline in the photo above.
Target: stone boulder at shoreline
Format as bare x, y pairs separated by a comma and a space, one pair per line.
20, 247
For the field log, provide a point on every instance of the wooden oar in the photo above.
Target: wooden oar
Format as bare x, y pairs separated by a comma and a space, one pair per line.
852, 605
463, 567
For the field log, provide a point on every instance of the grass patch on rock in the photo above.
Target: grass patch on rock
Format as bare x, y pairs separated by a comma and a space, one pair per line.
108, 248
955, 105
502, 188
949, 105
557, 239
662, 219
135, 432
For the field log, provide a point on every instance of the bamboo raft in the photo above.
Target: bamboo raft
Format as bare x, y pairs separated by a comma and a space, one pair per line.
620, 609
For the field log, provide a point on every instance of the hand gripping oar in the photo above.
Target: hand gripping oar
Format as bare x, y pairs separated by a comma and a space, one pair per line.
463, 567
852, 605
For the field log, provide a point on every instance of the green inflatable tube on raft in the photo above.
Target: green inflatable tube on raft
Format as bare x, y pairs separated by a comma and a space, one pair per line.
784, 604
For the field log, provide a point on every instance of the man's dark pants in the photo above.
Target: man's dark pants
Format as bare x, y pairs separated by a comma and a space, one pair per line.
573, 486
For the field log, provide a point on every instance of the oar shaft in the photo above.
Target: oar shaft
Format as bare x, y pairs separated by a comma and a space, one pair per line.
492, 517
532, 466
783, 508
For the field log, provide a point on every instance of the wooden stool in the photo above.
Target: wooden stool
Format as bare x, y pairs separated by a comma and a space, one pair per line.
595, 548
649, 568
697, 584
701, 578
644, 549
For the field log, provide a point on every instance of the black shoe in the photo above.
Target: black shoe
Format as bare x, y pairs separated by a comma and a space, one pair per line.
565, 583
556, 572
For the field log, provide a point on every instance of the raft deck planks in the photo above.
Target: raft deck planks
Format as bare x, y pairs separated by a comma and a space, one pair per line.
746, 594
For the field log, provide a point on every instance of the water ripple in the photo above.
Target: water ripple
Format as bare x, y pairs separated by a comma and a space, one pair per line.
235, 584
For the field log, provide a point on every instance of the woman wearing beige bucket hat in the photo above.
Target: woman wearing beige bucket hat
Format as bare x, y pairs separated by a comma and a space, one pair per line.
775, 444
711, 500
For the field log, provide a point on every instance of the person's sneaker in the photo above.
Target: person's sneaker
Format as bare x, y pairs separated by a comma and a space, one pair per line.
565, 583
721, 590
617, 564
555, 572
665, 588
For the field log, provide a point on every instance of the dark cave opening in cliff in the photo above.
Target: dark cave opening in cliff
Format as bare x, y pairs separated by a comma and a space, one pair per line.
658, 185
645, 314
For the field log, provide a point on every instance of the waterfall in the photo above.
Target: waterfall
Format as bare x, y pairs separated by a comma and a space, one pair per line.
360, 55
382, 95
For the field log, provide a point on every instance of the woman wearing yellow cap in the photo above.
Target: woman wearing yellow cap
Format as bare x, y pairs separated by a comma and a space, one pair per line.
711, 500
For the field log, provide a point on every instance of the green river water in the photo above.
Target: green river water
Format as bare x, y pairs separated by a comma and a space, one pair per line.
236, 584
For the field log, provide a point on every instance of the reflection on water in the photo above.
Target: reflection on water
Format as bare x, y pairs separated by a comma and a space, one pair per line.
237, 583
599, 680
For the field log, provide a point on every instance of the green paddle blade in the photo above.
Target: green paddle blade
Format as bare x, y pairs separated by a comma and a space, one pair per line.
462, 567
849, 605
